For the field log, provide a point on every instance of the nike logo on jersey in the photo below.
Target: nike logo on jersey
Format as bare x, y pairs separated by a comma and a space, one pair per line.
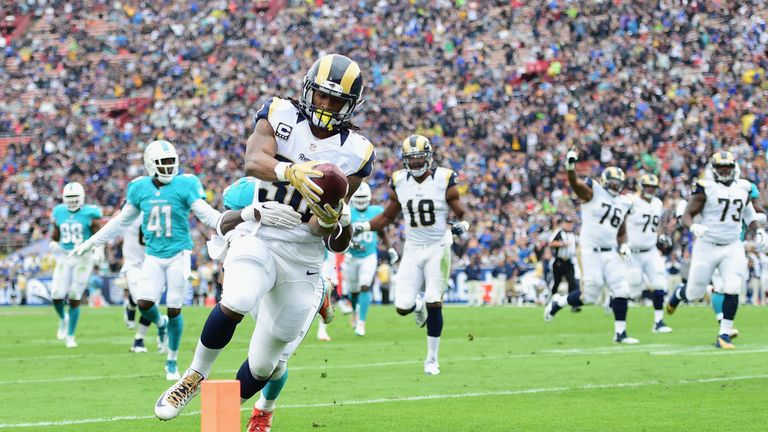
309, 273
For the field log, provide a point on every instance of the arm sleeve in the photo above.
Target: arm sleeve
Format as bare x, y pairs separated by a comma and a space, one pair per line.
205, 213
116, 225
196, 191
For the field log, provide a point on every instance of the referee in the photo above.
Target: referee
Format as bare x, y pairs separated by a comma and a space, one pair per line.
563, 246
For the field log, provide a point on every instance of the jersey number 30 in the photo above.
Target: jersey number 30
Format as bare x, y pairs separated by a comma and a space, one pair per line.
426, 210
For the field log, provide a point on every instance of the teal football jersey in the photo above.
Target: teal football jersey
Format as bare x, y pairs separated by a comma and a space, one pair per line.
166, 212
74, 227
240, 194
368, 240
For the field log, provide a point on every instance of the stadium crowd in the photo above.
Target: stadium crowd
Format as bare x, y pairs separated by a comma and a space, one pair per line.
502, 89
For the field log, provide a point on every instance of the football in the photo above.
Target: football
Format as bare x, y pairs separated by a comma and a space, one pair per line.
333, 182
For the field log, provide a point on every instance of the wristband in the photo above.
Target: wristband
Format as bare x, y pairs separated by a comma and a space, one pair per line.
280, 170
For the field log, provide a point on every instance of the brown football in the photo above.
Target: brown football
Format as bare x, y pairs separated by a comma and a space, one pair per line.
333, 182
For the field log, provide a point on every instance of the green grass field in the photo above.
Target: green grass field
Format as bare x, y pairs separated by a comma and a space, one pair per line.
503, 369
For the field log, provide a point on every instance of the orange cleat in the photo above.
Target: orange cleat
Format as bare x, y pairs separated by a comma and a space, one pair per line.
261, 421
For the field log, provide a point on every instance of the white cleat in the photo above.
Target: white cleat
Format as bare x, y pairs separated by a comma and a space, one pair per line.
71, 342
322, 333
360, 328
622, 338
61, 333
551, 308
171, 370
431, 367
660, 327
173, 401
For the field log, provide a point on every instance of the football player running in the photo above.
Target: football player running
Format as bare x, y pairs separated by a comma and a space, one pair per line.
604, 246
133, 257
647, 263
361, 260
275, 254
165, 199
425, 194
73, 223
722, 202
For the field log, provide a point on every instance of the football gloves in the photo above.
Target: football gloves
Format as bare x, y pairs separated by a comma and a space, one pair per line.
698, 230
327, 216
82, 248
300, 176
272, 214
626, 252
393, 256
460, 228
570, 160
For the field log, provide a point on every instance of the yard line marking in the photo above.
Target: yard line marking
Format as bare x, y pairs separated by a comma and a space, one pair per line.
408, 399
606, 349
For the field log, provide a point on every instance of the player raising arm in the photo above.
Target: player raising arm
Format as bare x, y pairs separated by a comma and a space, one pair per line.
426, 194
165, 199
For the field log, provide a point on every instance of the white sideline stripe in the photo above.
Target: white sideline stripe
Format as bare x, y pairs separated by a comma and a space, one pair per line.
404, 399
598, 351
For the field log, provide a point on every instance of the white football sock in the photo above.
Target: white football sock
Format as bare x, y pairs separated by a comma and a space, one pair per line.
265, 404
726, 326
619, 326
173, 355
141, 331
204, 359
433, 346
658, 315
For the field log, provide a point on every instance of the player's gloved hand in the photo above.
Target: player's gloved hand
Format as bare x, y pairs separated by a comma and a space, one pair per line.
55, 247
99, 254
393, 256
360, 228
327, 216
761, 240
272, 214
698, 229
459, 228
300, 176
570, 160
626, 252
82, 248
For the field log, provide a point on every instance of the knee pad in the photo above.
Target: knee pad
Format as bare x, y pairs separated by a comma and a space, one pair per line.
279, 370
732, 285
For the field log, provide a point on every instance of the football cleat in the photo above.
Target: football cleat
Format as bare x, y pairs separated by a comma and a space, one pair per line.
162, 336
622, 338
724, 342
138, 346
733, 333
660, 327
345, 306
71, 342
326, 308
173, 401
261, 421
322, 333
431, 367
674, 300
420, 312
360, 328
171, 370
61, 333
551, 308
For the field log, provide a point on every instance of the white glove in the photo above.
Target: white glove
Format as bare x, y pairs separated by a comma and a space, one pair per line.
393, 256
82, 248
626, 252
761, 240
360, 228
459, 228
272, 214
698, 230
570, 160
99, 254
55, 247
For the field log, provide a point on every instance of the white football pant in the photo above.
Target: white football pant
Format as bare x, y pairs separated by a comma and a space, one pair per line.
164, 274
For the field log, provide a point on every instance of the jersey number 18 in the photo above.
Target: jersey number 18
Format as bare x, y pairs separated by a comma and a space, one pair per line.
426, 210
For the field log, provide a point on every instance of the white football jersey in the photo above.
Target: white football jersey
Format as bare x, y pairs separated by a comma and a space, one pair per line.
724, 209
643, 221
348, 150
423, 204
133, 251
601, 218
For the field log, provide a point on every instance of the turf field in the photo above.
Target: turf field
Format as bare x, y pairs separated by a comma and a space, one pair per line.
503, 369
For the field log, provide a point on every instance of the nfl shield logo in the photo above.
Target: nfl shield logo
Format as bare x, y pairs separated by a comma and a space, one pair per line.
312, 147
